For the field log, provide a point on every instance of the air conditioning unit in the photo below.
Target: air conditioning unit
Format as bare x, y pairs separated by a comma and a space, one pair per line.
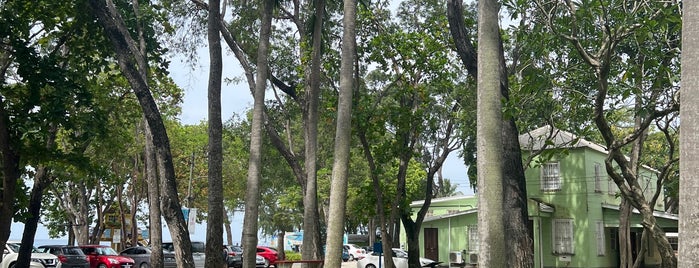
473, 258
455, 257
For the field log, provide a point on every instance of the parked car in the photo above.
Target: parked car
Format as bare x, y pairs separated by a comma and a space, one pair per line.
235, 256
400, 259
141, 257
198, 249
68, 256
39, 259
105, 257
355, 252
269, 254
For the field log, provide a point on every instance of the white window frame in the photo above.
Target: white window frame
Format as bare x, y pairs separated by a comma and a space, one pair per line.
551, 176
473, 242
601, 245
563, 237
598, 177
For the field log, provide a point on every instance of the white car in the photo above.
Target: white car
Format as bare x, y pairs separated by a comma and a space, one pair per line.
400, 259
39, 259
354, 251
260, 261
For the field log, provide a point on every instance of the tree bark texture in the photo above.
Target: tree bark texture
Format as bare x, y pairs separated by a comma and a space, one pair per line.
311, 248
520, 248
491, 229
252, 195
689, 140
214, 226
154, 216
340, 172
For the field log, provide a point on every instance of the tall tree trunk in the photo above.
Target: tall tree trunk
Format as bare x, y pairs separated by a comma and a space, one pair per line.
491, 229
340, 173
130, 60
689, 140
625, 254
252, 195
10, 174
155, 231
214, 226
42, 180
311, 225
520, 248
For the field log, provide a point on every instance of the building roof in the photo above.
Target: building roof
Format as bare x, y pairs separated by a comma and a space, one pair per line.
442, 200
450, 215
657, 214
551, 137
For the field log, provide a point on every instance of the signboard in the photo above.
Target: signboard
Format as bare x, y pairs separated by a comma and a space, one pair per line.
192, 220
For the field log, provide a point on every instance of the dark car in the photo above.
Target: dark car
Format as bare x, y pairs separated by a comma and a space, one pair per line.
68, 256
141, 257
235, 256
105, 257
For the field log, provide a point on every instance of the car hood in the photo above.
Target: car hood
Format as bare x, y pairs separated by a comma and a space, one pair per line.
121, 259
42, 255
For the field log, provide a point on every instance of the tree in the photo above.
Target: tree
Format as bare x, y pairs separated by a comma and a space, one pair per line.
602, 47
255, 165
491, 231
520, 252
214, 226
689, 145
338, 194
130, 61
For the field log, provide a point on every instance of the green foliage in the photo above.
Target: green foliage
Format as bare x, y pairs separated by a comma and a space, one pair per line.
292, 255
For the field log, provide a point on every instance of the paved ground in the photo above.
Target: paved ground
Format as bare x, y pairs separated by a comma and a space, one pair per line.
347, 264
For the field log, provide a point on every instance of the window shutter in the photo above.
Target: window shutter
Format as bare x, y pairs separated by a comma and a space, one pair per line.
601, 250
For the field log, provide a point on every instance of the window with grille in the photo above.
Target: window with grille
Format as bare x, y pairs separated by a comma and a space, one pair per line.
563, 242
550, 177
598, 177
601, 249
473, 238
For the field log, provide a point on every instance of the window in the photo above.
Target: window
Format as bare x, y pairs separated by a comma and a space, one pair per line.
613, 239
550, 177
612, 187
600, 239
598, 177
473, 238
563, 236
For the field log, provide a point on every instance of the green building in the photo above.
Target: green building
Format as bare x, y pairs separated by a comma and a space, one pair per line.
573, 211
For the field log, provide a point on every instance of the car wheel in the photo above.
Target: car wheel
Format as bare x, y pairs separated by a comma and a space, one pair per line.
12, 265
370, 266
351, 258
102, 265
267, 263
144, 265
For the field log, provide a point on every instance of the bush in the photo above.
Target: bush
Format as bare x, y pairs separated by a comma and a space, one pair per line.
292, 255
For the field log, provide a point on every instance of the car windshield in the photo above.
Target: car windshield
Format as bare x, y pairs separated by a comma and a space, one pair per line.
15, 247
106, 251
72, 251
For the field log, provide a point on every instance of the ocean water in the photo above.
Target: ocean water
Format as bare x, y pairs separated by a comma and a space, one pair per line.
41, 242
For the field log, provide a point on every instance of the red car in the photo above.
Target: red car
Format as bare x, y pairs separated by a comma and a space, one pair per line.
105, 257
269, 254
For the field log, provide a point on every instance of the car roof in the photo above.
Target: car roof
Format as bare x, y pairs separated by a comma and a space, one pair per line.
93, 246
